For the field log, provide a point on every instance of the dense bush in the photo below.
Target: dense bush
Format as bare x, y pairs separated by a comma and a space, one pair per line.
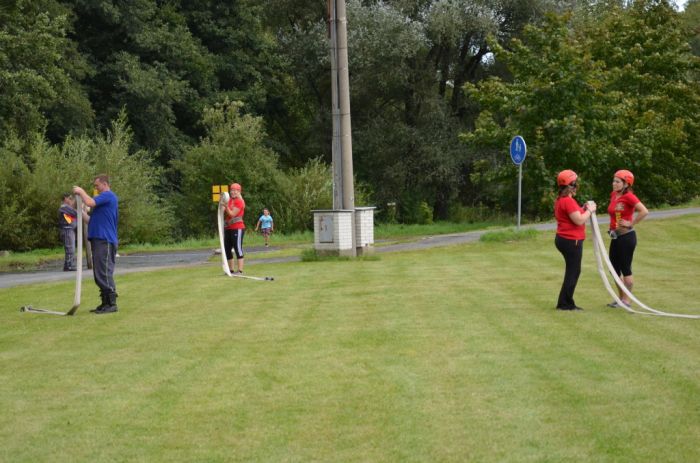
38, 173
234, 151
302, 191
15, 219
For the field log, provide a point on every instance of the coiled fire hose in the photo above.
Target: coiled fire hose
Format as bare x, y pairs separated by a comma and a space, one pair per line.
601, 256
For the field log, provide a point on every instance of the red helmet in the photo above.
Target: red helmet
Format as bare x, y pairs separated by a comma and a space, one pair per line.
235, 186
626, 176
566, 177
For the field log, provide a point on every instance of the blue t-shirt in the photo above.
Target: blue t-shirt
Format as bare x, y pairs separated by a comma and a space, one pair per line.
265, 221
104, 218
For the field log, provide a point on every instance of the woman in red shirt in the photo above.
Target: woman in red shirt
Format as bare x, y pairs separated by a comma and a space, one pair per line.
623, 205
234, 228
571, 231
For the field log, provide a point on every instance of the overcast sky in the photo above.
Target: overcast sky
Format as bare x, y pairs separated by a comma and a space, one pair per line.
681, 3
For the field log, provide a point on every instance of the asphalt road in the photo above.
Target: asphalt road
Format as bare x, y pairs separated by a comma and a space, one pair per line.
153, 261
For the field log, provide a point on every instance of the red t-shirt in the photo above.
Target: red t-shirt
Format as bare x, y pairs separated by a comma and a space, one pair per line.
621, 208
566, 228
232, 204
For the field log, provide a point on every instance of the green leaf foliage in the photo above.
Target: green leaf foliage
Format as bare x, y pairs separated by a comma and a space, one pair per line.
691, 21
14, 216
232, 151
609, 84
40, 72
39, 173
166, 61
303, 190
594, 94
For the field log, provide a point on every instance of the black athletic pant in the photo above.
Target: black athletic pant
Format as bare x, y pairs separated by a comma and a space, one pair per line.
622, 251
233, 240
104, 256
572, 250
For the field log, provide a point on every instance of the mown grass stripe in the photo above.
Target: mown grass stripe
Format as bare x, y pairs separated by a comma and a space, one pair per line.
448, 354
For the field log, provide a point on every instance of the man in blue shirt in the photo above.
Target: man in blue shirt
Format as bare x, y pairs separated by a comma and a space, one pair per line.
102, 233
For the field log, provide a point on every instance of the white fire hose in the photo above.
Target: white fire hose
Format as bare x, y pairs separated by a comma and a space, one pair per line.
78, 273
601, 255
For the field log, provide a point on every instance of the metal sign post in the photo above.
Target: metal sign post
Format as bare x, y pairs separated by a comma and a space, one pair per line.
518, 151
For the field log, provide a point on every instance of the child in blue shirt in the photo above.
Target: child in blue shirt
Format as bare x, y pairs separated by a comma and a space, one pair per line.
266, 226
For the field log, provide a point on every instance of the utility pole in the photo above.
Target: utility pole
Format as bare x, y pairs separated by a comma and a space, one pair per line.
335, 105
342, 136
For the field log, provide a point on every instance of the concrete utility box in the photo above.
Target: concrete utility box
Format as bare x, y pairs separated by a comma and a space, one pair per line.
333, 232
364, 230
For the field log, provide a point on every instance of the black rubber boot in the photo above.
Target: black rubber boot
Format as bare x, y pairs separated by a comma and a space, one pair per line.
111, 304
105, 302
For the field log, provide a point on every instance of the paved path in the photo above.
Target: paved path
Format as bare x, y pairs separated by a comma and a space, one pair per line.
458, 238
153, 261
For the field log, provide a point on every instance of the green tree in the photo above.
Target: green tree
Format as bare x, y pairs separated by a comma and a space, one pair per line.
148, 61
404, 134
40, 72
407, 62
166, 61
654, 78
232, 151
691, 21
595, 96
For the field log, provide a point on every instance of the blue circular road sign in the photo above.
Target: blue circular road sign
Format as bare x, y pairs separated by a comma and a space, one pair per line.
518, 149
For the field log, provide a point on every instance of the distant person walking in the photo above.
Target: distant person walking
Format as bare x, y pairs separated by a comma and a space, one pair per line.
571, 232
622, 207
234, 228
102, 233
67, 226
266, 225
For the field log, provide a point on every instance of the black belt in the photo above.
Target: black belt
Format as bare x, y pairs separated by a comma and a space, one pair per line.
614, 234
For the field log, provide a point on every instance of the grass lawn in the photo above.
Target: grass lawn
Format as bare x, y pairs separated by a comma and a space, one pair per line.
452, 354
